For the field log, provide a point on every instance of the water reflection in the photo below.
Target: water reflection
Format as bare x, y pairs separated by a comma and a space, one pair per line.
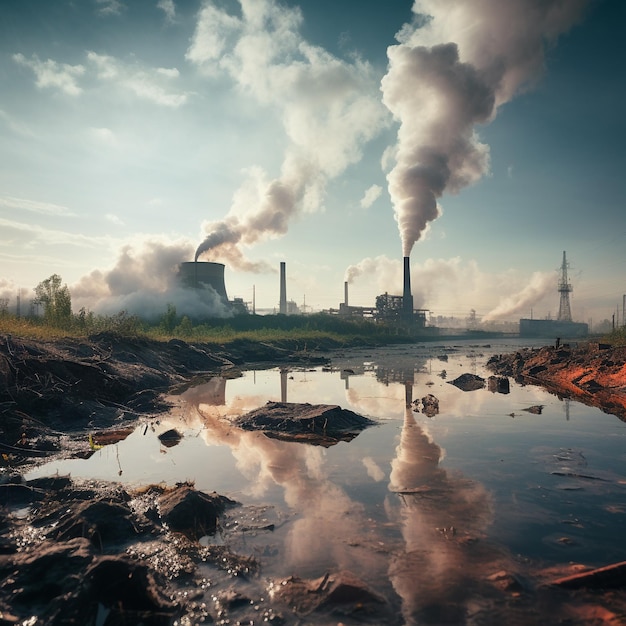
322, 519
424, 510
441, 516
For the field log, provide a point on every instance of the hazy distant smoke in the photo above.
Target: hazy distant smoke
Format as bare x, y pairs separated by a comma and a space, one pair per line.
143, 282
327, 107
453, 68
540, 285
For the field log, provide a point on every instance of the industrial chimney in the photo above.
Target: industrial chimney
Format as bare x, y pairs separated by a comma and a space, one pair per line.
283, 290
407, 296
345, 293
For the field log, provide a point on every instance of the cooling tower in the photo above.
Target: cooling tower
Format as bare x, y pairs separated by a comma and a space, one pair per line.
283, 290
200, 274
407, 296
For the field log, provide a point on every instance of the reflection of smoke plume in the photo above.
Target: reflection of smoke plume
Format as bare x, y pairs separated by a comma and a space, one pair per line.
452, 71
327, 108
540, 285
143, 282
435, 505
327, 517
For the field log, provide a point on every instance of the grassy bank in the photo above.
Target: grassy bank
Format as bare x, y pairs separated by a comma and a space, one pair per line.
270, 329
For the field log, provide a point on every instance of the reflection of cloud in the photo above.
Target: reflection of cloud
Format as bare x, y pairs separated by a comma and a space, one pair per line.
373, 469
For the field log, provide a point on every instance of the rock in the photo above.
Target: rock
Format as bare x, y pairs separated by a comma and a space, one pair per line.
124, 586
102, 522
536, 409
320, 424
170, 438
190, 512
468, 382
498, 384
430, 405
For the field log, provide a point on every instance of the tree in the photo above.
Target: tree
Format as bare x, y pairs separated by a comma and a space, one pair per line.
56, 301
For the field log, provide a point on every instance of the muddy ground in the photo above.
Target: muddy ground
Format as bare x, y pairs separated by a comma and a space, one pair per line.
93, 553
591, 373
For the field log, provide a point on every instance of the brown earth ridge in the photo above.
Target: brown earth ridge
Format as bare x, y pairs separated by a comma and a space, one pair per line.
591, 373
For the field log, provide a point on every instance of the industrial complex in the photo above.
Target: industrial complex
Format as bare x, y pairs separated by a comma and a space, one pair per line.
395, 310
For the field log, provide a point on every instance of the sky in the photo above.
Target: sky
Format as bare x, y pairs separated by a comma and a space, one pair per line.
480, 138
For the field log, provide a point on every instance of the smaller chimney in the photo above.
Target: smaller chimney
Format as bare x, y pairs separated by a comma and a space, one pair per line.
282, 308
345, 291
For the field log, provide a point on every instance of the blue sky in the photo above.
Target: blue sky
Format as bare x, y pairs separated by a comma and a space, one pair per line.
130, 132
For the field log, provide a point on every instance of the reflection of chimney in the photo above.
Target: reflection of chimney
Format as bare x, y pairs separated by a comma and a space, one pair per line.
283, 385
408, 394
345, 292
283, 290
407, 297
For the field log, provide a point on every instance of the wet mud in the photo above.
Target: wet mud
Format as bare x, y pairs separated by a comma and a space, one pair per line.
88, 552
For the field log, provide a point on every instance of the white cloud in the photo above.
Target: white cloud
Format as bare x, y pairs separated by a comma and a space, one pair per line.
33, 236
52, 74
114, 219
110, 7
14, 125
169, 8
147, 83
47, 208
371, 195
104, 135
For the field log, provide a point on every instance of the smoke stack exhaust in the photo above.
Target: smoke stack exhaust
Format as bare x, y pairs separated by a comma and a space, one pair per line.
283, 290
407, 297
345, 293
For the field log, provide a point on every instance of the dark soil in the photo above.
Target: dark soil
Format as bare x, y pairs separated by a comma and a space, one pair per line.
52, 390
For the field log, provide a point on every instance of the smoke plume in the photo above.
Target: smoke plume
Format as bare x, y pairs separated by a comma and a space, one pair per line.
540, 285
327, 108
144, 282
453, 68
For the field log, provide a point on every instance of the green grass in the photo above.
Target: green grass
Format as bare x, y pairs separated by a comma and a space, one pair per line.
270, 329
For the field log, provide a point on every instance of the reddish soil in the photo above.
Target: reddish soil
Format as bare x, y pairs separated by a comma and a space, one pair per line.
591, 373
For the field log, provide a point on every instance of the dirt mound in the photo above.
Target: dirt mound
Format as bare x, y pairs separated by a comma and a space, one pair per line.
319, 424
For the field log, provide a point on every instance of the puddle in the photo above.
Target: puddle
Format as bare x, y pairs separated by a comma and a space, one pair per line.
425, 506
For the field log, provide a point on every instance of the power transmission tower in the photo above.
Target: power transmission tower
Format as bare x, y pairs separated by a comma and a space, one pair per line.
565, 288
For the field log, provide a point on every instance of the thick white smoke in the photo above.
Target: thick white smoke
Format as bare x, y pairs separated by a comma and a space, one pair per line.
451, 286
453, 67
327, 107
540, 285
144, 282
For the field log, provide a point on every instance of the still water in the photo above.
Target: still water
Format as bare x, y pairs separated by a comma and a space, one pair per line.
406, 503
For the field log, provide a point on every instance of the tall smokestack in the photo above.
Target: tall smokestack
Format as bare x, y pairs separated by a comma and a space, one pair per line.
345, 292
283, 290
407, 297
